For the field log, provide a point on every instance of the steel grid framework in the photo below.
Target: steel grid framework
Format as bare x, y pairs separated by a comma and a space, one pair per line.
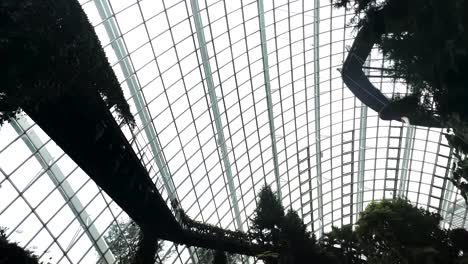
259, 62
42, 155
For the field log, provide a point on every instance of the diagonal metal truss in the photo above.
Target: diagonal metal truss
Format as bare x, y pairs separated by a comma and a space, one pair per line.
221, 141
42, 155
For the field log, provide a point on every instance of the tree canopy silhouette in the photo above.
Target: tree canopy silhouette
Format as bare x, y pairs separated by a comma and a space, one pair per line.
268, 216
394, 231
129, 244
210, 256
285, 231
426, 43
50, 49
11, 253
343, 243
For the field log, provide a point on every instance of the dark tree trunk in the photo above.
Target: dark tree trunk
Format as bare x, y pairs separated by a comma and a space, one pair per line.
147, 249
220, 257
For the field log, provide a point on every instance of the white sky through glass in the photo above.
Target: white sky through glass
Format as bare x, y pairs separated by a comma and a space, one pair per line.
154, 49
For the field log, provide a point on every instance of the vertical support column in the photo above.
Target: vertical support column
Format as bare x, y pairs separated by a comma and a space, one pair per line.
407, 153
42, 155
266, 74
362, 159
318, 149
214, 108
362, 154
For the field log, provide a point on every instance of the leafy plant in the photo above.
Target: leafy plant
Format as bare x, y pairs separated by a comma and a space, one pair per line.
212, 256
394, 231
11, 253
268, 216
343, 243
125, 239
383, 230
287, 231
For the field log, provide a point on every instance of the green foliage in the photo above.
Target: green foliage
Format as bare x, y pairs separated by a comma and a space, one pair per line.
390, 231
393, 232
267, 217
460, 165
11, 253
208, 256
426, 42
430, 53
125, 239
197, 228
458, 144
393, 220
50, 49
459, 238
343, 244
366, 12
122, 239
300, 246
147, 249
287, 231
220, 257
359, 6
237, 240
294, 231
383, 230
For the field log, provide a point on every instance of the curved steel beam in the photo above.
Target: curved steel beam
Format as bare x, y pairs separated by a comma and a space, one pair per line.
43, 156
353, 74
221, 140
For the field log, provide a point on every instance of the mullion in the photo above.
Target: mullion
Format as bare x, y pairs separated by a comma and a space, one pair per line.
240, 116
210, 115
251, 85
145, 104
434, 173
186, 92
421, 174
225, 108
294, 101
275, 21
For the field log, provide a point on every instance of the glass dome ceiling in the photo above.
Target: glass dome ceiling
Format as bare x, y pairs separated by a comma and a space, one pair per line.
228, 96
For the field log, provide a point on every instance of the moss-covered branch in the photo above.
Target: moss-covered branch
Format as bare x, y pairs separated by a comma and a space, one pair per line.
49, 49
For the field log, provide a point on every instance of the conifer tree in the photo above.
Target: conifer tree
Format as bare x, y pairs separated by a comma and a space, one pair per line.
287, 232
267, 217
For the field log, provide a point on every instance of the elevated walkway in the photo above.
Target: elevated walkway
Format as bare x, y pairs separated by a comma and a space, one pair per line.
353, 76
88, 133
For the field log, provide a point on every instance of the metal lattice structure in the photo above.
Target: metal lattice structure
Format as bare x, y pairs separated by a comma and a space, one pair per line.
228, 96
